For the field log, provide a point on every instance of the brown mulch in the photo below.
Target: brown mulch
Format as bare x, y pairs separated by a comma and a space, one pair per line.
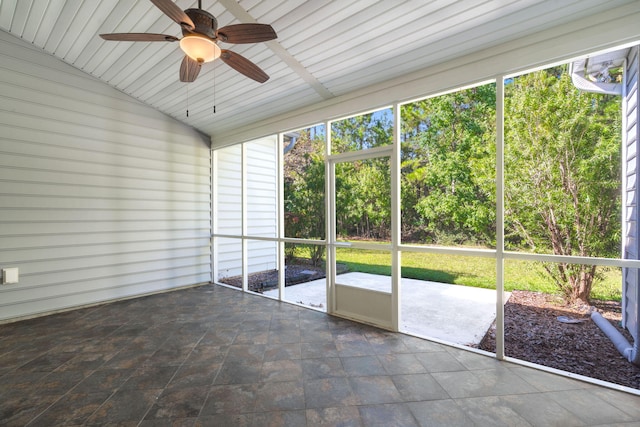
268, 279
534, 333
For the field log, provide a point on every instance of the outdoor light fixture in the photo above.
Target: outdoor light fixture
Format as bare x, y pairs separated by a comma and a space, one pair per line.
200, 48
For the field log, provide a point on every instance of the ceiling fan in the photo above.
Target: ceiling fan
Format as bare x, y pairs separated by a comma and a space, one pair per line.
200, 37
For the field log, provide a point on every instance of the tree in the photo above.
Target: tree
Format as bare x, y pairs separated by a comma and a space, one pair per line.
363, 202
448, 177
562, 176
304, 193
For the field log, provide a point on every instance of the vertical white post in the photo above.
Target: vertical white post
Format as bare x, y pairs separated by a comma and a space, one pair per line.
280, 215
213, 243
500, 217
396, 261
330, 217
245, 244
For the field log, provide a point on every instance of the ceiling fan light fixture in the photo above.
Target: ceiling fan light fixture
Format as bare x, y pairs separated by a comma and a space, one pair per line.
200, 48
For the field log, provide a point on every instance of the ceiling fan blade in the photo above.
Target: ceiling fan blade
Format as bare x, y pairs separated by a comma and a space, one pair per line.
246, 33
170, 9
189, 69
139, 37
244, 66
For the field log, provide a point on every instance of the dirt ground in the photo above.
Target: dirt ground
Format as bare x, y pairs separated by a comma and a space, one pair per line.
534, 333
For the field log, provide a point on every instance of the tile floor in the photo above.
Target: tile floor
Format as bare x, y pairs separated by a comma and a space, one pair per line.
212, 356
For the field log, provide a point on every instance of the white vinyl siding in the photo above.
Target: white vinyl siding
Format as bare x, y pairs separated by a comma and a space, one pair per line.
630, 138
227, 181
262, 202
261, 215
101, 197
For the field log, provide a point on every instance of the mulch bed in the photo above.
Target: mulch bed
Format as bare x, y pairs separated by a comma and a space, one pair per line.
268, 279
534, 333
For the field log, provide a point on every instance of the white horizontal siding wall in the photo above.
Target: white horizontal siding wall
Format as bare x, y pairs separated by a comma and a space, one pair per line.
227, 181
261, 205
632, 245
101, 197
262, 202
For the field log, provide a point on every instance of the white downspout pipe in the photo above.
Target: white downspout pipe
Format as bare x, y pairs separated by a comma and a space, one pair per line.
622, 345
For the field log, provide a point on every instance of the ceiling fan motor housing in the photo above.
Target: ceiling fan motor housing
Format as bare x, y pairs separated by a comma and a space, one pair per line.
205, 23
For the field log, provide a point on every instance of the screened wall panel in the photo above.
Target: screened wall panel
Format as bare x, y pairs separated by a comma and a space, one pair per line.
101, 197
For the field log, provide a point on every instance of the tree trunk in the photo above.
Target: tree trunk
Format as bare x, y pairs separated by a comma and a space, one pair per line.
582, 281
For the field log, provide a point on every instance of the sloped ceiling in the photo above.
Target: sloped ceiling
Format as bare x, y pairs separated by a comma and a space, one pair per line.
324, 48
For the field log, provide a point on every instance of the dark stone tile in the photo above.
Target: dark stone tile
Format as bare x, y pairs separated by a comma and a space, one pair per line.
180, 402
47, 362
362, 366
419, 345
18, 410
347, 416
204, 354
169, 356
246, 353
401, 364
100, 345
252, 337
104, 380
280, 396
280, 419
18, 382
224, 420
284, 336
414, 387
439, 413
440, 361
17, 358
168, 422
383, 342
392, 414
58, 383
131, 330
195, 375
282, 352
230, 399
322, 368
376, 389
281, 370
127, 359
150, 377
353, 348
87, 361
219, 336
323, 335
238, 372
311, 350
329, 392
71, 409
124, 407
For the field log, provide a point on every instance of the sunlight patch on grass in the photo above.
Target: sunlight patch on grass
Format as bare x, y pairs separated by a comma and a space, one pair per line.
472, 271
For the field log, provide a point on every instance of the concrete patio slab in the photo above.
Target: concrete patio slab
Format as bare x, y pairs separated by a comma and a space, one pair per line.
452, 313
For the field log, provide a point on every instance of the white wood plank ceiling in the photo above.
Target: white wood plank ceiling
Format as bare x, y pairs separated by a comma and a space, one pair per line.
324, 48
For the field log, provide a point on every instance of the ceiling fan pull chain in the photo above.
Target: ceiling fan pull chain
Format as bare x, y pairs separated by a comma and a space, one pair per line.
187, 99
214, 88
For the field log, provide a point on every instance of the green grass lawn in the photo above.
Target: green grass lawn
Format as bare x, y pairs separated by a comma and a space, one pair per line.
472, 271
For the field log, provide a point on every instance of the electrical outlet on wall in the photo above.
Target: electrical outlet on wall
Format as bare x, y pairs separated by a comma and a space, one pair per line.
9, 275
